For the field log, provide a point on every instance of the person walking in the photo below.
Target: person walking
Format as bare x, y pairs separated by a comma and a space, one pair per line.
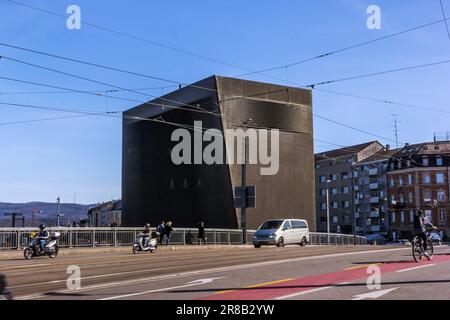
161, 229
168, 230
201, 233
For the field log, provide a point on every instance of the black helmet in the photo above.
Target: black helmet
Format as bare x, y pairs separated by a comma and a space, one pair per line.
42, 226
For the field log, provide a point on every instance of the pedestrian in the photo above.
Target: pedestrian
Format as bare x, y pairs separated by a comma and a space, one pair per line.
201, 233
168, 230
161, 229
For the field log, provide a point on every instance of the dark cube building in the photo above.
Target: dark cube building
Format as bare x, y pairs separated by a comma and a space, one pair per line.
155, 189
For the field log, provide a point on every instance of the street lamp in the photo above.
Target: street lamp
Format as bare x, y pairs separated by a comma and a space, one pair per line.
328, 210
244, 182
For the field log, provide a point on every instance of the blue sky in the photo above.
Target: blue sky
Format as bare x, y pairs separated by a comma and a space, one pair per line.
44, 160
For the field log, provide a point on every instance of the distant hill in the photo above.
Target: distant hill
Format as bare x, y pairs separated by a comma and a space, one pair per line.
71, 212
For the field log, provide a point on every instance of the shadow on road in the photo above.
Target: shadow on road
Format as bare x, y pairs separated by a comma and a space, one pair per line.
309, 286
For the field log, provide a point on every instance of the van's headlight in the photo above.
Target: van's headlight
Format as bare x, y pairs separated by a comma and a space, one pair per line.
273, 235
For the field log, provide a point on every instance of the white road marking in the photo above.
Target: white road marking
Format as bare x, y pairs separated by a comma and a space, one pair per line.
189, 284
200, 272
415, 268
373, 294
292, 295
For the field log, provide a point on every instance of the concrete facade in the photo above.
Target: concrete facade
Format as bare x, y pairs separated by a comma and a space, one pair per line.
154, 188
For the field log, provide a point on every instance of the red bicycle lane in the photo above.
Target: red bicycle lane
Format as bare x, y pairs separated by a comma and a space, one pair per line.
293, 286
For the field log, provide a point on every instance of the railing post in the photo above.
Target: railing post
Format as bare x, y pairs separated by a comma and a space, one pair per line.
115, 237
184, 237
229, 237
70, 238
93, 238
18, 240
215, 237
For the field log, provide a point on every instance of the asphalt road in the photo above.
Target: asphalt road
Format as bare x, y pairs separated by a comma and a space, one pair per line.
235, 274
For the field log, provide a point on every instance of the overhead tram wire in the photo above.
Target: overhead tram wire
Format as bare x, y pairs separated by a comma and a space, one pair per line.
320, 56
297, 85
105, 84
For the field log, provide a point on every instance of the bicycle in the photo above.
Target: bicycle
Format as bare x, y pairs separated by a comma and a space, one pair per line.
418, 250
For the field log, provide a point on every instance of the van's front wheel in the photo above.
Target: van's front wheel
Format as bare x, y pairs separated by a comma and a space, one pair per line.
280, 243
304, 242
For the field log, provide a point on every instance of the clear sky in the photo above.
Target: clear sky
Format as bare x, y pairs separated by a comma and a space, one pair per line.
47, 159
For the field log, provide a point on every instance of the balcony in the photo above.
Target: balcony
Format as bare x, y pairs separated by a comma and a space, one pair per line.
374, 200
374, 186
373, 172
374, 214
357, 201
375, 228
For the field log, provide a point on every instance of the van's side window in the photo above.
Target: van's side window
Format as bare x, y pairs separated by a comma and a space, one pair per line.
287, 225
299, 224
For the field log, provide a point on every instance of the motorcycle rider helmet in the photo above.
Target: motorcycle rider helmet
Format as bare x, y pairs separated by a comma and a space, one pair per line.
147, 225
42, 226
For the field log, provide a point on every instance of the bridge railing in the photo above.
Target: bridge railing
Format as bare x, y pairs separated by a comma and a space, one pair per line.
16, 238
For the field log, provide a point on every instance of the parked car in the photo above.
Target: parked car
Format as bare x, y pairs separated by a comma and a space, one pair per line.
281, 232
399, 242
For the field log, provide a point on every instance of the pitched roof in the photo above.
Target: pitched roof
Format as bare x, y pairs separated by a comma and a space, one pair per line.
423, 149
381, 155
343, 151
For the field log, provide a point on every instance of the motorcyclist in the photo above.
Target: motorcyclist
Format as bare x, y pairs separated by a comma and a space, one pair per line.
42, 236
147, 232
420, 229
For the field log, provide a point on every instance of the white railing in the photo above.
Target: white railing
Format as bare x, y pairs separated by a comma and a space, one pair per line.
17, 238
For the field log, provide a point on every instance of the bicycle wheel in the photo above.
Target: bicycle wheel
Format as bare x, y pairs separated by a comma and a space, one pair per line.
416, 250
430, 249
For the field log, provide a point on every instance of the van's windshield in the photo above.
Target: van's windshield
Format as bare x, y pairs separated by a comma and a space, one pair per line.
271, 224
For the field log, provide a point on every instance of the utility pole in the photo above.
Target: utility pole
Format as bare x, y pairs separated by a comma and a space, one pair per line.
58, 214
14, 216
328, 210
244, 183
396, 122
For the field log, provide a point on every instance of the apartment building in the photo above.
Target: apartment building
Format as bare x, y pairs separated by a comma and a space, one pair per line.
418, 177
335, 172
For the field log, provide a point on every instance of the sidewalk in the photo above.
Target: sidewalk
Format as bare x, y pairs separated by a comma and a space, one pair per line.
14, 254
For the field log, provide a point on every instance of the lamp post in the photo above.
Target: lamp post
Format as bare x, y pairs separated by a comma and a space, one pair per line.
244, 182
328, 210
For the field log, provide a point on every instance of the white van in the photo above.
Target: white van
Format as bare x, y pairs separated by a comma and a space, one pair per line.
281, 232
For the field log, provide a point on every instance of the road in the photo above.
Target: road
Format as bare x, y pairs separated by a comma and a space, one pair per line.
235, 274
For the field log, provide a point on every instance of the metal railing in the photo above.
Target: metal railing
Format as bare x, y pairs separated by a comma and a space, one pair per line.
18, 238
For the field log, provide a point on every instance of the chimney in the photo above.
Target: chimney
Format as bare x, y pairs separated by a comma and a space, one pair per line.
388, 147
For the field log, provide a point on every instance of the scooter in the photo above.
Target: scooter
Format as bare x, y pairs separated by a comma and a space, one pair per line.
51, 248
150, 246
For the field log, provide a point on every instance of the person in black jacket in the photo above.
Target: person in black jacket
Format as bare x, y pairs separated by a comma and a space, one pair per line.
201, 233
4, 292
168, 230
420, 229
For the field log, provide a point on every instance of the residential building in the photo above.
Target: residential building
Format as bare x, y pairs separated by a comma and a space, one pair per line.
418, 178
371, 194
107, 214
335, 172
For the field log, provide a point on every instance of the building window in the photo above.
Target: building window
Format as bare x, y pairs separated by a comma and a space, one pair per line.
427, 196
402, 216
323, 179
323, 192
408, 163
410, 179
335, 205
392, 166
335, 219
392, 182
399, 164
334, 191
410, 197
346, 204
442, 215
429, 215
441, 196
323, 206
393, 217
344, 175
439, 162
411, 216
426, 178
333, 177
400, 181
402, 200
440, 178
425, 161
346, 219
345, 189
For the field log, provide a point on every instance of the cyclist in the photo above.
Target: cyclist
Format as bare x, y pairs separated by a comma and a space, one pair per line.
420, 229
